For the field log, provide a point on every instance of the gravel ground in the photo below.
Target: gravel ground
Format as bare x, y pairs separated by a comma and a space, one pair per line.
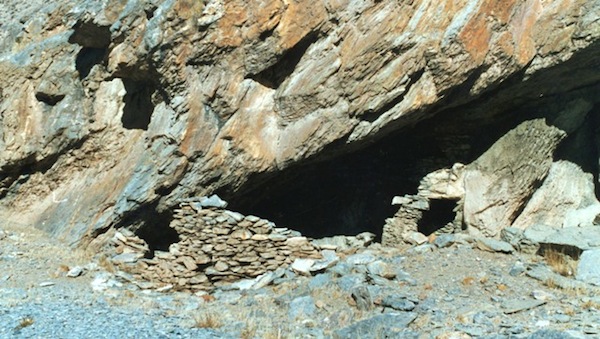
449, 291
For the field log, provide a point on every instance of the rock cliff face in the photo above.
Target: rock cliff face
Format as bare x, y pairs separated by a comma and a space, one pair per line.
311, 114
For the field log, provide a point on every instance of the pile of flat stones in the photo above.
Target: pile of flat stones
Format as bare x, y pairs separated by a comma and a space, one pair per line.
216, 246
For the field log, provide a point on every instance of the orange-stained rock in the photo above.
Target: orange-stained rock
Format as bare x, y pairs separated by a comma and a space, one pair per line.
190, 97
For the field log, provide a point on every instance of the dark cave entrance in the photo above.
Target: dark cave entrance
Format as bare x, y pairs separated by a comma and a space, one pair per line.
139, 107
351, 193
87, 58
440, 213
153, 227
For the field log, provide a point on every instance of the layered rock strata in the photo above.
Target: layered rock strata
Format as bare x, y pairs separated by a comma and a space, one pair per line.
112, 110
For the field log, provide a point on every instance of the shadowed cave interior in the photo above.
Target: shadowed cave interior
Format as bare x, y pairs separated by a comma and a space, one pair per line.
352, 193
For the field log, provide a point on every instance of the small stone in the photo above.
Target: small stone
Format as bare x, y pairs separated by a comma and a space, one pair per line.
46, 284
127, 257
415, 238
397, 200
75, 272
277, 237
244, 224
296, 241
260, 237
221, 266
493, 245
517, 305
235, 215
248, 259
366, 238
329, 259
302, 266
360, 259
165, 288
252, 218
213, 201
444, 240
188, 262
362, 298
381, 269
588, 269
398, 303
242, 234
517, 268
202, 259
221, 230
542, 295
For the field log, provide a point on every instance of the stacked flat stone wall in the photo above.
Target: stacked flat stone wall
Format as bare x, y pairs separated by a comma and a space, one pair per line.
216, 246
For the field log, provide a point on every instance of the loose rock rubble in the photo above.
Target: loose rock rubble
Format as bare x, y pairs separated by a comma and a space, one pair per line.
216, 246
451, 286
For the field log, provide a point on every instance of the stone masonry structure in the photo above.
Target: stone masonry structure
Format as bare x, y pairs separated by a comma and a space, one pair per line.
216, 246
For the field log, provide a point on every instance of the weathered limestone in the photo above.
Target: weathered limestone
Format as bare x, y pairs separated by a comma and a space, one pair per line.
565, 199
490, 192
110, 110
498, 184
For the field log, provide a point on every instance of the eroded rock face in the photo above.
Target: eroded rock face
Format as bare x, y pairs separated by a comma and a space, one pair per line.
113, 112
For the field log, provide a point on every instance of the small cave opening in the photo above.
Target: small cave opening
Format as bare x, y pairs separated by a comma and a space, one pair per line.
87, 58
48, 98
276, 74
139, 107
441, 213
154, 228
547, 249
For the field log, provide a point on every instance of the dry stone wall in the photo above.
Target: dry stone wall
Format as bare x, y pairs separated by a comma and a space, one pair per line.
216, 246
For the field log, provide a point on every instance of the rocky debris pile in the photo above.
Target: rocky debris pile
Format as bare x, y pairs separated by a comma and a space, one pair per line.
216, 246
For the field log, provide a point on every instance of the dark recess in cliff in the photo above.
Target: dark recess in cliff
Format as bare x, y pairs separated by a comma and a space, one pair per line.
138, 108
440, 213
87, 58
348, 193
352, 193
276, 74
153, 227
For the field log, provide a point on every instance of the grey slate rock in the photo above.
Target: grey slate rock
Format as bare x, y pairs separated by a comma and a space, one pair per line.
302, 307
517, 269
348, 282
126, 257
398, 303
213, 201
444, 240
361, 259
381, 269
588, 269
550, 334
516, 305
387, 325
320, 280
362, 297
493, 245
